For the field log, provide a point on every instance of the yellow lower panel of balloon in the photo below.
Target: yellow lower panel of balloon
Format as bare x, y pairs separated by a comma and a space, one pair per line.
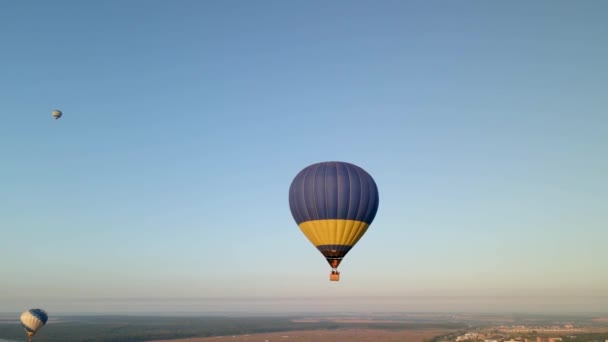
334, 232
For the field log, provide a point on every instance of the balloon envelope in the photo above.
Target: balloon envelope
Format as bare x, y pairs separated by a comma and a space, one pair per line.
57, 114
32, 320
333, 203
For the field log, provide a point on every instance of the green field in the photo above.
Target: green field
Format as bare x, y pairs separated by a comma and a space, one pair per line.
140, 328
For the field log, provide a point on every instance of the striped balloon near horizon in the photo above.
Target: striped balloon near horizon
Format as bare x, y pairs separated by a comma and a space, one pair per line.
333, 203
32, 320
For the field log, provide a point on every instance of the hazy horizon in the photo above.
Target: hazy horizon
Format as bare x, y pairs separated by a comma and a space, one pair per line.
505, 304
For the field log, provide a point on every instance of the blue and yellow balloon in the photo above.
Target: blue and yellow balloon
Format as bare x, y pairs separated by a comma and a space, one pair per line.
333, 203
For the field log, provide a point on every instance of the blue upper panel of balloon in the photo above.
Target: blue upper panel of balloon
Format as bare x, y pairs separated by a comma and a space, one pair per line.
333, 190
40, 314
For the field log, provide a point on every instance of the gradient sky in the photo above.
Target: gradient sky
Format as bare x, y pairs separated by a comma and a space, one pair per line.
484, 124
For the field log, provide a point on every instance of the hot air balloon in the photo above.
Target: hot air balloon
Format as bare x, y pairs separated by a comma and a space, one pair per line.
32, 320
333, 203
57, 114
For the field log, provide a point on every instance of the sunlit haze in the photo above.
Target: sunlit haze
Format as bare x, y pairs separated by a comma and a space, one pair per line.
164, 186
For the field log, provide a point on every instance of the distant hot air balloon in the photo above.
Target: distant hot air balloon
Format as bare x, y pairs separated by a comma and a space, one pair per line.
333, 203
32, 320
57, 114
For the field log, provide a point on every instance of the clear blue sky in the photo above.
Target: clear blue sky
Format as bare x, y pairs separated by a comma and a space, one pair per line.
484, 124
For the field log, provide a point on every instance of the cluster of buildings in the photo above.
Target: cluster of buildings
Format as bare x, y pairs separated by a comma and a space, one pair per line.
560, 332
486, 337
